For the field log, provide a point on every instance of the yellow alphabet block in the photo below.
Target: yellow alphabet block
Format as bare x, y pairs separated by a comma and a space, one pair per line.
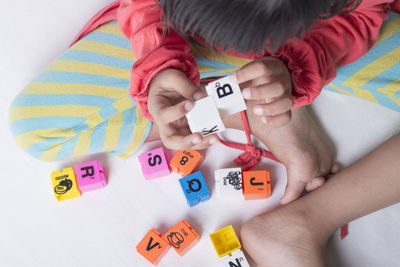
225, 241
64, 184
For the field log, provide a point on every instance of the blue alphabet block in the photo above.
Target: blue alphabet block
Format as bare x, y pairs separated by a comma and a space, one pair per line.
195, 188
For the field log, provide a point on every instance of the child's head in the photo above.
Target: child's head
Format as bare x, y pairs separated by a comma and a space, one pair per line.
246, 25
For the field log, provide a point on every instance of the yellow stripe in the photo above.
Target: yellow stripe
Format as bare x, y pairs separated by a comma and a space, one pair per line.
206, 52
90, 68
27, 139
51, 153
105, 49
111, 29
365, 94
228, 70
138, 135
388, 29
390, 89
340, 90
83, 143
94, 119
203, 69
19, 113
74, 88
364, 75
112, 132
123, 104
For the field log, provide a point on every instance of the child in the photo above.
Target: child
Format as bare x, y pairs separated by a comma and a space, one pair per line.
86, 86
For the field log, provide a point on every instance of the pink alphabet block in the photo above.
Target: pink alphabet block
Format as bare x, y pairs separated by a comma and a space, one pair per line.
154, 164
90, 176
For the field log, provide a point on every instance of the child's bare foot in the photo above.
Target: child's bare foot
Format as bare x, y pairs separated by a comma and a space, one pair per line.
283, 238
300, 146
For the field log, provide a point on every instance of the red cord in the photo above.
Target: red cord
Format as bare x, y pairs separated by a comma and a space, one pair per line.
252, 155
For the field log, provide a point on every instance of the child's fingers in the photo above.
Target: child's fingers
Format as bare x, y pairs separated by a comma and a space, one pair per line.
275, 107
172, 113
176, 141
186, 87
268, 66
265, 91
278, 120
207, 142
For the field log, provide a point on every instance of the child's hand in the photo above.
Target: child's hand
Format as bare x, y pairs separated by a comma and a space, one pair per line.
171, 97
268, 80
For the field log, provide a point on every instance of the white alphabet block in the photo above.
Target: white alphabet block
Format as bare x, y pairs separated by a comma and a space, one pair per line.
204, 118
237, 259
226, 93
228, 182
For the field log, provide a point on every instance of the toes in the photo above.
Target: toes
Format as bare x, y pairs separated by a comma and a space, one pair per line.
315, 183
293, 190
335, 168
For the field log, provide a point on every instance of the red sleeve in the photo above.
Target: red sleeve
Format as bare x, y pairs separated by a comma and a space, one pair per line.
330, 44
141, 22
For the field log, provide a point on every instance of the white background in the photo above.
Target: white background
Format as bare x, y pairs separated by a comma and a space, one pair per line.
103, 227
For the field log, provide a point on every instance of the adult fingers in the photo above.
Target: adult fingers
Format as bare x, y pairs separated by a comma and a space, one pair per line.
293, 190
315, 183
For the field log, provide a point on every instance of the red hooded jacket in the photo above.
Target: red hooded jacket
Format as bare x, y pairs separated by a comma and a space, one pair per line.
312, 61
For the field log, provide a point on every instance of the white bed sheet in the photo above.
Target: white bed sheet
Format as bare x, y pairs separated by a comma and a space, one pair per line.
103, 227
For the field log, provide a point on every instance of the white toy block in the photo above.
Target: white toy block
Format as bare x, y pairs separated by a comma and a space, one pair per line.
237, 259
204, 118
227, 95
228, 182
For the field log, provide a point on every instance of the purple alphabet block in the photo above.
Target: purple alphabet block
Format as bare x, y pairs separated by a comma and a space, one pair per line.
90, 176
154, 164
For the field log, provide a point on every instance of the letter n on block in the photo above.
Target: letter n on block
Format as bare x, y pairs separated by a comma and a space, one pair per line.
256, 185
153, 247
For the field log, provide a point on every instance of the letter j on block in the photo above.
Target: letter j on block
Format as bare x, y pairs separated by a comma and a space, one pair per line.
153, 247
256, 185
154, 164
195, 188
90, 176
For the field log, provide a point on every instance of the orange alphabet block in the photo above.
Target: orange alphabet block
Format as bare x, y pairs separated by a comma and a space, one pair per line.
153, 247
256, 185
185, 161
182, 237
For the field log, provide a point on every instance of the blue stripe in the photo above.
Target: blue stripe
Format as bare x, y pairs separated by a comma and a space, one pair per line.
377, 51
98, 138
67, 149
96, 58
108, 112
81, 78
397, 94
36, 150
109, 39
112, 22
67, 99
383, 79
129, 120
27, 125
386, 101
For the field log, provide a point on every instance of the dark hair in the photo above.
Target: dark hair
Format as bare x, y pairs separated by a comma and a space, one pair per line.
247, 25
